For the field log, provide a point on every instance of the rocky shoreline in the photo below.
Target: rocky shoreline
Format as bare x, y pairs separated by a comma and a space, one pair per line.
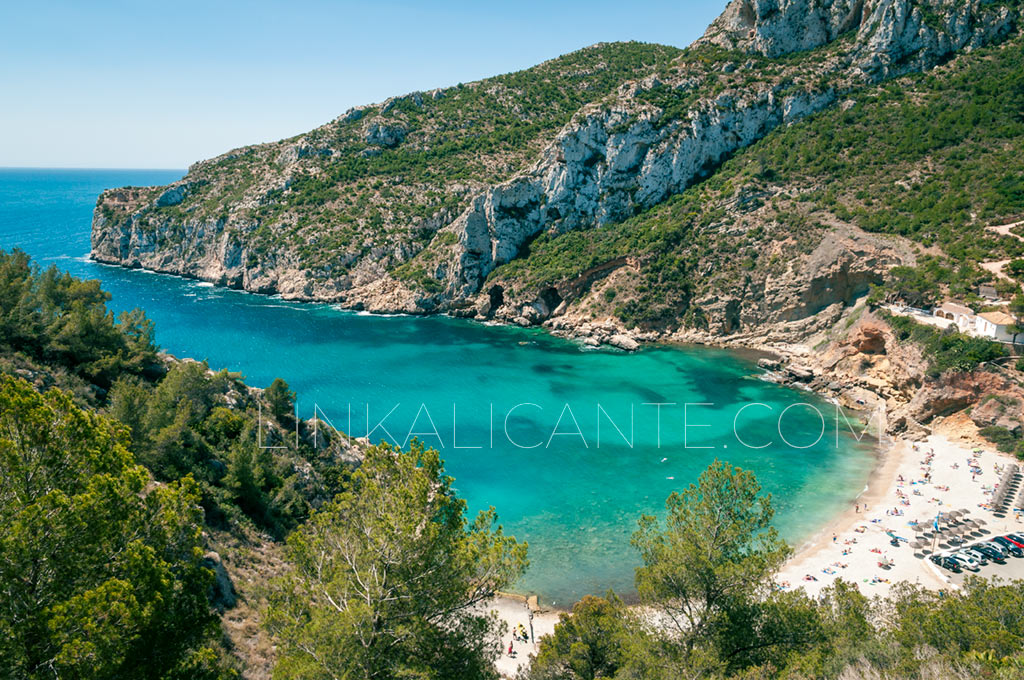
781, 350
847, 354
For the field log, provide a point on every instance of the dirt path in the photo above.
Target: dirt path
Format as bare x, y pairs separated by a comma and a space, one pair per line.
1004, 229
996, 267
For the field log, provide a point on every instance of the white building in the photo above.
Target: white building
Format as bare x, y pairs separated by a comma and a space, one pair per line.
960, 315
994, 325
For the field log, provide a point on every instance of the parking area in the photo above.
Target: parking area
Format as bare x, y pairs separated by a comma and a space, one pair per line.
1013, 569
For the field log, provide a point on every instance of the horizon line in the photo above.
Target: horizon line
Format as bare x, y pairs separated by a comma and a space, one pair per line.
83, 167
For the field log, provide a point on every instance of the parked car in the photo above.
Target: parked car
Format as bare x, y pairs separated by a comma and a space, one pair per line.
947, 563
990, 551
964, 561
1017, 538
977, 555
1001, 549
1011, 546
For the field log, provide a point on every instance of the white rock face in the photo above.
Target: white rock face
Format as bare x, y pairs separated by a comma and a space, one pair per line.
777, 27
893, 36
172, 196
624, 342
382, 134
592, 176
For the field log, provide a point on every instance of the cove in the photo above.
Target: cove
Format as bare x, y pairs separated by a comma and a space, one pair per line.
573, 498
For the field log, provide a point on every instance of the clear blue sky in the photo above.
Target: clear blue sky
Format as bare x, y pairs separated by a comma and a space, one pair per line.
160, 85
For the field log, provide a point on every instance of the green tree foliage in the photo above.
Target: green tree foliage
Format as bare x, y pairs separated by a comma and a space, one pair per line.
185, 421
913, 286
587, 644
58, 319
1015, 268
708, 568
251, 480
716, 551
280, 398
1016, 307
182, 426
947, 349
101, 575
384, 580
984, 617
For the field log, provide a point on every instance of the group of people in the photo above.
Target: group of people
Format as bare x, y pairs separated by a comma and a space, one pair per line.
519, 634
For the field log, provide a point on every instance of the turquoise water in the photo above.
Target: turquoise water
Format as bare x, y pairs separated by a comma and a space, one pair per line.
574, 498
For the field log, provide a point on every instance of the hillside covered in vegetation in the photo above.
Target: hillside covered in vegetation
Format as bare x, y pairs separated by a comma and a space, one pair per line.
910, 172
144, 503
762, 178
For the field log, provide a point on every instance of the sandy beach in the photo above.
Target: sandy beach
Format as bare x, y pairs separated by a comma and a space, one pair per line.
912, 483
515, 610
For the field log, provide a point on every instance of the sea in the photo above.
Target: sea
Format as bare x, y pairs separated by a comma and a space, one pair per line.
571, 445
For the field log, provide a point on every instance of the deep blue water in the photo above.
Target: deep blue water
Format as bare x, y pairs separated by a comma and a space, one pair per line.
574, 498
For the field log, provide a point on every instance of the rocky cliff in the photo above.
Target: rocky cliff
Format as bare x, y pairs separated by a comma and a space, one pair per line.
441, 201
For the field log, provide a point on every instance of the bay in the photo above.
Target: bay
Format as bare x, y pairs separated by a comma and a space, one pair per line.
568, 443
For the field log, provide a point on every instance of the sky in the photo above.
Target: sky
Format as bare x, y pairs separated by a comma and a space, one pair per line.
137, 84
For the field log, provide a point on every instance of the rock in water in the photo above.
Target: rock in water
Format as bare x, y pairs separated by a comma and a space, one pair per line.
624, 342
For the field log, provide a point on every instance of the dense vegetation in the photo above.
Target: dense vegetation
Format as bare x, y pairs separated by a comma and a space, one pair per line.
946, 350
101, 575
930, 156
53, 318
184, 419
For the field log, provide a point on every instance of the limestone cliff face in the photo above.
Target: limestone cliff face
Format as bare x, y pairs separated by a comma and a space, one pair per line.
892, 36
594, 174
620, 154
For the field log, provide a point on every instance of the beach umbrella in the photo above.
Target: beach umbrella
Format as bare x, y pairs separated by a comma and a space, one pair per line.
919, 528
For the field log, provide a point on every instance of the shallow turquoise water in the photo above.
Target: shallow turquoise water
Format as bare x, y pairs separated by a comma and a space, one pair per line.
574, 498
